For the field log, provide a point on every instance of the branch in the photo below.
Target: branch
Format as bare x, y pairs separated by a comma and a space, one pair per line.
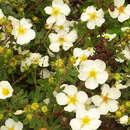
35, 5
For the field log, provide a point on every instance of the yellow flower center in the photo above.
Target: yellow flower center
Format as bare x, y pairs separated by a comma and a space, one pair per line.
21, 30
121, 10
55, 11
5, 91
92, 74
93, 16
89, 48
13, 62
72, 99
86, 106
36, 61
59, 63
85, 121
106, 98
11, 128
61, 40
83, 58
107, 36
61, 27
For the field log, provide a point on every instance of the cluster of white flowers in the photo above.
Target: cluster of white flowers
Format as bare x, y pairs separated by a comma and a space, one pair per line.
57, 12
34, 58
63, 39
92, 72
120, 11
57, 21
107, 101
87, 117
96, 17
21, 31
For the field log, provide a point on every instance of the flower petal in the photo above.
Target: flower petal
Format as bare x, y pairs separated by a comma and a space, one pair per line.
91, 84
61, 99
75, 124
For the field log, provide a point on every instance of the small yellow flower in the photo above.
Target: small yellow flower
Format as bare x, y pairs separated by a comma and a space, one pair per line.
51, 80
128, 30
35, 106
127, 103
8, 51
29, 116
123, 43
122, 108
62, 70
44, 109
72, 59
20, 9
117, 76
13, 62
1, 116
35, 19
2, 20
1, 49
59, 63
118, 114
27, 109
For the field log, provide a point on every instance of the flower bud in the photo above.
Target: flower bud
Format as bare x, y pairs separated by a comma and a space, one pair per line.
35, 106
44, 109
29, 116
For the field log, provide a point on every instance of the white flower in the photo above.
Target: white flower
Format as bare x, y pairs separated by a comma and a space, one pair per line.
57, 12
47, 100
44, 74
34, 58
63, 39
93, 17
118, 85
108, 36
64, 27
107, 101
93, 73
124, 119
126, 53
22, 30
125, 28
71, 97
120, 60
120, 12
1, 14
19, 112
10, 124
82, 55
5, 90
86, 120
55, 93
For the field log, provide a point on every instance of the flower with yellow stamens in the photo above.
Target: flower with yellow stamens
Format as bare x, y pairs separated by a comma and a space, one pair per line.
86, 120
93, 17
93, 73
10, 124
5, 90
121, 12
107, 101
71, 97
